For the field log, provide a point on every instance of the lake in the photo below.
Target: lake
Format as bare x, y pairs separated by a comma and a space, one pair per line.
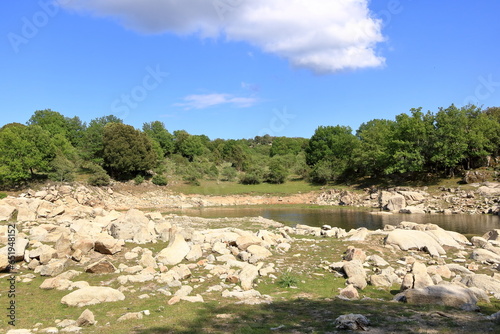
351, 218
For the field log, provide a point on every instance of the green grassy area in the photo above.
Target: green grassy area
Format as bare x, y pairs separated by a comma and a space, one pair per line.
309, 307
234, 188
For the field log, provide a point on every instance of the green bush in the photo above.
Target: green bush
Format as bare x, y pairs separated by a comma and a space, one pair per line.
228, 173
192, 179
159, 180
252, 177
138, 179
99, 177
3, 195
287, 280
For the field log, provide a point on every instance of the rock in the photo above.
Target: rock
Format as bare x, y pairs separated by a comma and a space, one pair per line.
4, 262
395, 203
484, 255
352, 322
488, 191
193, 299
147, 260
492, 235
495, 317
479, 241
44, 253
283, 247
411, 239
248, 274
131, 316
483, 282
19, 331
354, 268
407, 283
220, 248
377, 261
421, 278
102, 266
7, 212
91, 296
27, 209
184, 291
244, 241
109, 245
19, 248
446, 294
86, 245
176, 250
412, 210
174, 300
86, 319
53, 268
350, 292
195, 253
63, 245
358, 235
56, 283
443, 271
358, 281
133, 226
355, 254
380, 281
258, 253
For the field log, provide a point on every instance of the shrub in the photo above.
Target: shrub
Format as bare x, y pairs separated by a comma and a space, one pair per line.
138, 179
3, 195
251, 177
159, 180
192, 179
287, 280
99, 178
228, 174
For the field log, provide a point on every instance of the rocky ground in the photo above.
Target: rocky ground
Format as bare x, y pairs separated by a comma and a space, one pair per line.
79, 265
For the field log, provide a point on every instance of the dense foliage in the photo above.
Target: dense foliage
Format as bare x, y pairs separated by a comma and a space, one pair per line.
53, 146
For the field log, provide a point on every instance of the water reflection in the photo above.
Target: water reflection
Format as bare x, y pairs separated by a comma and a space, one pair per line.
349, 218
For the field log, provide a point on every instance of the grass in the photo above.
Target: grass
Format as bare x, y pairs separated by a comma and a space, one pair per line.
233, 188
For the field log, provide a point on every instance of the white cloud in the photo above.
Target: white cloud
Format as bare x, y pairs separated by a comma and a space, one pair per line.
203, 101
322, 35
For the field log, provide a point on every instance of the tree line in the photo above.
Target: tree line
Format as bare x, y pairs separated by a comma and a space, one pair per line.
60, 148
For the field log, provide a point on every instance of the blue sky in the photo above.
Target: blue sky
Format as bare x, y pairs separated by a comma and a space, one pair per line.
241, 68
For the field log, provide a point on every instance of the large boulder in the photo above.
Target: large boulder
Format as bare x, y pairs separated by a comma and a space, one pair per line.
92, 295
108, 245
20, 246
133, 226
411, 239
395, 202
484, 255
27, 209
493, 235
483, 282
7, 212
446, 294
176, 250
248, 274
102, 266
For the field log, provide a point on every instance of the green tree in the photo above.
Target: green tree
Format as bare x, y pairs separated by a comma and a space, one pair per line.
411, 147
372, 157
92, 148
333, 145
127, 151
156, 130
285, 145
24, 151
278, 172
56, 124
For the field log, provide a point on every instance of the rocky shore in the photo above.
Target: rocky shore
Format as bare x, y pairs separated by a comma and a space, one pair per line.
62, 234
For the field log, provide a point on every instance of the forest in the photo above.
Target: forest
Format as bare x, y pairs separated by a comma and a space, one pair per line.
442, 143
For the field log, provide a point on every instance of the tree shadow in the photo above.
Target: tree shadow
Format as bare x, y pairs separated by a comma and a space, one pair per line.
317, 316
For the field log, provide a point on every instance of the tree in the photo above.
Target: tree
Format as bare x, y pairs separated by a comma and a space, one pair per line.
188, 145
285, 145
156, 130
372, 157
24, 151
411, 146
56, 124
334, 146
278, 172
92, 148
127, 151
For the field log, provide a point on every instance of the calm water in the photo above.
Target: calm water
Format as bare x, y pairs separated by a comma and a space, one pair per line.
349, 218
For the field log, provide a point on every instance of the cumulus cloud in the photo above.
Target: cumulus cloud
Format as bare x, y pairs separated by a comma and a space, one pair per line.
203, 101
322, 35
